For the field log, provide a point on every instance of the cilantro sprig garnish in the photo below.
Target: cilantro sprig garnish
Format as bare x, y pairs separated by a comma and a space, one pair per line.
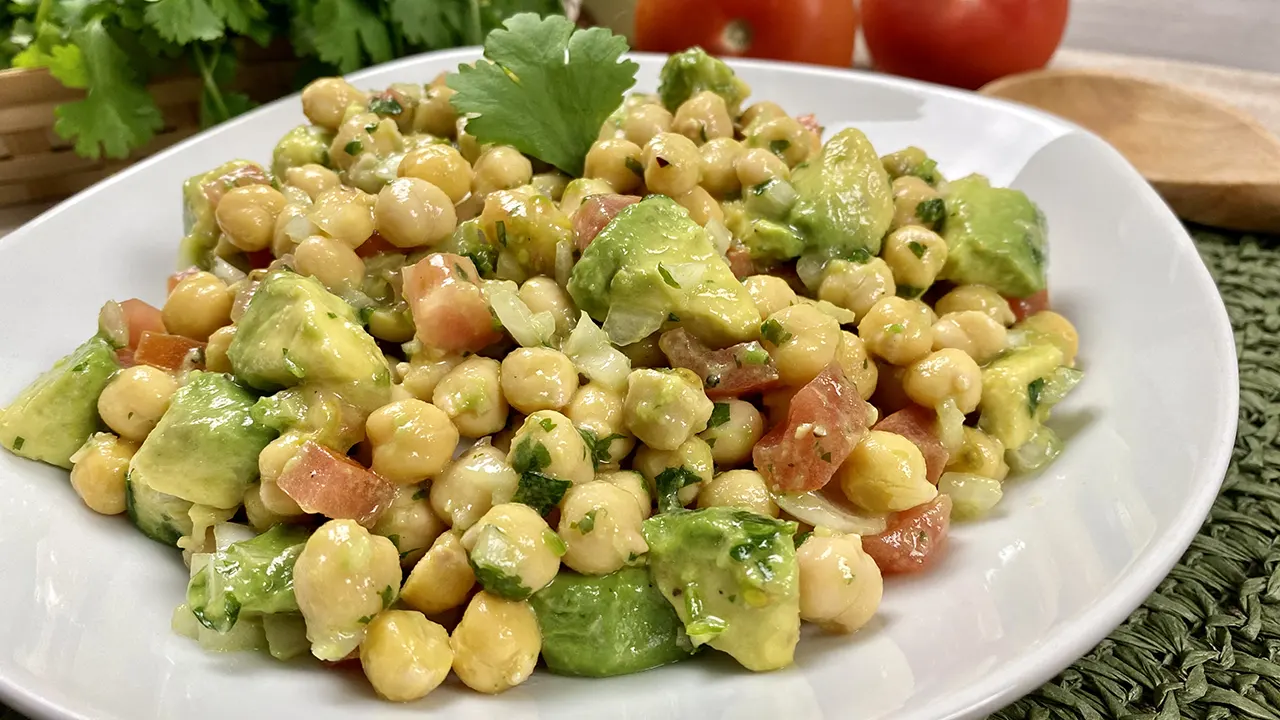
545, 89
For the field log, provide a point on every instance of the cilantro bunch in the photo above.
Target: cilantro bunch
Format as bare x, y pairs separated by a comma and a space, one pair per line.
111, 49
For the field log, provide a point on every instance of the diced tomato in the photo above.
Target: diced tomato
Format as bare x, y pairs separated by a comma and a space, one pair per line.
164, 351
824, 421
810, 122
250, 174
913, 539
375, 245
595, 213
259, 258
738, 370
1024, 308
124, 356
919, 425
448, 308
141, 318
181, 275
322, 481
739, 258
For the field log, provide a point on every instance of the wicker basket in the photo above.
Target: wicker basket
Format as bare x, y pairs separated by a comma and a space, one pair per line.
36, 165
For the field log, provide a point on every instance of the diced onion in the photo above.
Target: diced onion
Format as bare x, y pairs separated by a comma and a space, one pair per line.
184, 622
820, 511
831, 310
295, 196
286, 635
590, 350
1043, 447
227, 533
1059, 382
226, 272
720, 236
299, 228
687, 275
564, 262
810, 268
112, 324
972, 496
526, 327
246, 634
626, 325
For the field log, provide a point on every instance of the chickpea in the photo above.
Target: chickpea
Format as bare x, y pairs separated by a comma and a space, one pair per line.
598, 409
470, 147
260, 517
579, 190
471, 395
542, 294
442, 579
972, 331
693, 455
981, 298
743, 489
404, 655
271, 462
840, 585
364, 135
344, 214
731, 440
719, 160
770, 293
701, 206
979, 454
897, 330
908, 161
617, 162
335, 265
442, 166
132, 403
802, 340
538, 379
99, 471
763, 110
672, 165
496, 645
435, 114
858, 366
552, 184
1057, 330
948, 374
635, 485
198, 306
410, 524
885, 473
915, 255
289, 223
547, 442
413, 213
215, 350
420, 376
600, 523
645, 122
312, 179
513, 550
783, 136
856, 286
325, 101
757, 166
703, 117
412, 440
472, 485
247, 215
664, 408
343, 574
500, 168
915, 203
393, 325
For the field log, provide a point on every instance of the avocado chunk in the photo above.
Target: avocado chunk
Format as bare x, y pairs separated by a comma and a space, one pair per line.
294, 331
205, 448
652, 265
616, 624
995, 236
57, 413
315, 414
200, 196
163, 518
844, 201
253, 576
303, 145
1017, 394
688, 73
732, 577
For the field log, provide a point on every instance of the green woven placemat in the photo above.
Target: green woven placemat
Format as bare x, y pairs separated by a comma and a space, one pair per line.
1205, 644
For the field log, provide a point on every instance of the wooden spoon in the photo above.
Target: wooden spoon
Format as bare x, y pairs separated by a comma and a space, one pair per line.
1212, 163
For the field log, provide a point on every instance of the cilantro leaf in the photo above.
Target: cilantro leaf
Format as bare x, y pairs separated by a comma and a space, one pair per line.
530, 456
434, 24
346, 32
668, 483
185, 21
546, 89
599, 447
540, 492
117, 114
499, 582
1034, 389
719, 415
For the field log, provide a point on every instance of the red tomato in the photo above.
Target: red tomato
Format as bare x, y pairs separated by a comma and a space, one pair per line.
965, 43
141, 318
251, 174
809, 31
448, 308
913, 539
164, 351
322, 481
739, 259
260, 258
824, 421
181, 275
595, 213
920, 426
739, 370
375, 245
1024, 308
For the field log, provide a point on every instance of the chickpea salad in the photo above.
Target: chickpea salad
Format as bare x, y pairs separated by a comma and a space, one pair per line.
516, 366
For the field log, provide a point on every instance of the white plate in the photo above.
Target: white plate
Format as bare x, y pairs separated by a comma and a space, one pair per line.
85, 601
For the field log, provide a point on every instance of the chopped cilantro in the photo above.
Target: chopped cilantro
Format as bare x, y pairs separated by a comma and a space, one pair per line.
18, 442
927, 171
395, 540
825, 456
598, 447
673, 317
365, 620
540, 492
931, 211
587, 523
420, 494
751, 353
669, 482
719, 415
332, 316
1034, 389
555, 542
388, 596
916, 248
499, 582
773, 332
385, 106
910, 292
462, 272
485, 258
895, 328
500, 227
530, 456
634, 166
666, 277
547, 424
353, 148
801, 537
777, 147
711, 442
763, 187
